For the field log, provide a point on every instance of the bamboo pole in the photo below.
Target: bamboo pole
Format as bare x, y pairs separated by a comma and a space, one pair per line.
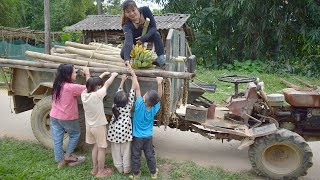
76, 56
91, 54
29, 63
58, 50
84, 46
289, 84
105, 46
108, 53
143, 73
305, 83
67, 60
62, 49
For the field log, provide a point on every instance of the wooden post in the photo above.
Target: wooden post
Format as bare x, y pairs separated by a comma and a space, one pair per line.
47, 26
105, 37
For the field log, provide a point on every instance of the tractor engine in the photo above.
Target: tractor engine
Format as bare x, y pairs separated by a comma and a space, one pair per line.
303, 120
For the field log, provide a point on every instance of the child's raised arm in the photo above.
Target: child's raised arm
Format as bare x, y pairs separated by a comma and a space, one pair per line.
159, 81
110, 80
135, 83
104, 74
124, 77
86, 72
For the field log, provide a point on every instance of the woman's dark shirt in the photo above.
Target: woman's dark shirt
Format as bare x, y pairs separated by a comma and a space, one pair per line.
131, 32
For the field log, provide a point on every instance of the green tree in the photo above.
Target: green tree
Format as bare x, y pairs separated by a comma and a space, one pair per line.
284, 31
67, 12
29, 13
10, 13
113, 7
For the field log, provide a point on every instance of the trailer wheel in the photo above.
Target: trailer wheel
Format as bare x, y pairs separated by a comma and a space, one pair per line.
40, 123
282, 155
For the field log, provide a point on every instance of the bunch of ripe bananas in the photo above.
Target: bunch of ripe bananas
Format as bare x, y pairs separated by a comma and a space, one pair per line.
142, 58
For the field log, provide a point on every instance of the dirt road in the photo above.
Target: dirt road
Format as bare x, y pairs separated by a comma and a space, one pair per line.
169, 143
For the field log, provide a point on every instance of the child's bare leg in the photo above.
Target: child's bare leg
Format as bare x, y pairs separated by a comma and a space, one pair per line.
101, 159
95, 157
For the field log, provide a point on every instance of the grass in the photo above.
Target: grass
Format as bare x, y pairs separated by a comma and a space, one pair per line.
272, 82
26, 160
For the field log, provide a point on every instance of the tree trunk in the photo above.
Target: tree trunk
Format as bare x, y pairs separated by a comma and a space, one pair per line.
47, 26
99, 5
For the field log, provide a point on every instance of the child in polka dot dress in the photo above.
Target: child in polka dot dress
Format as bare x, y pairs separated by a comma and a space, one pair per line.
120, 128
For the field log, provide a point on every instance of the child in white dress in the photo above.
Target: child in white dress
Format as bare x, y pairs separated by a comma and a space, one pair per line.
120, 127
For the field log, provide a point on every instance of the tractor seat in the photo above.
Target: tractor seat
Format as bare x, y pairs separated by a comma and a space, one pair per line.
302, 97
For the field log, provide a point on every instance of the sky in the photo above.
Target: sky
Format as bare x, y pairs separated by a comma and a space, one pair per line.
150, 4
144, 3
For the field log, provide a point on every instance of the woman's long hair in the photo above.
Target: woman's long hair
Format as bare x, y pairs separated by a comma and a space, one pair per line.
120, 100
92, 84
63, 75
125, 5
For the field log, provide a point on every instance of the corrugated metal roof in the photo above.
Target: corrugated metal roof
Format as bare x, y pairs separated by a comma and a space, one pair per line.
108, 22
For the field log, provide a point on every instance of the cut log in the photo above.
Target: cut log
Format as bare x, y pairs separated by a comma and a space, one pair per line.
92, 54
289, 84
68, 60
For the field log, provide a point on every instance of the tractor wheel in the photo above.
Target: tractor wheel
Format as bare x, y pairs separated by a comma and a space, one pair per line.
40, 123
282, 155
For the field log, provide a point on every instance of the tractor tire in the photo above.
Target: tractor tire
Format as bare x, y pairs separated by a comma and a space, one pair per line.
40, 123
282, 155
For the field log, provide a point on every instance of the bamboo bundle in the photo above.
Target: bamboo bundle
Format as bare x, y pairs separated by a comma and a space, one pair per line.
62, 49
76, 56
92, 54
154, 55
67, 60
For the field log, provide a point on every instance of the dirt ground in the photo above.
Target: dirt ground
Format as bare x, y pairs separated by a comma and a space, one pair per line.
169, 143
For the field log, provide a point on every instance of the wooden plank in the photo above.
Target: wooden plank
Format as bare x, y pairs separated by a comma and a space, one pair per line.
182, 37
175, 41
32, 78
169, 47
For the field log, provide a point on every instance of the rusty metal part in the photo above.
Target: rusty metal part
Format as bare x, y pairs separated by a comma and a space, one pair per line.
269, 119
302, 97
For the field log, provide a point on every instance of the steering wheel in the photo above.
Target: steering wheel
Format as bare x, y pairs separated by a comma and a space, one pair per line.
236, 80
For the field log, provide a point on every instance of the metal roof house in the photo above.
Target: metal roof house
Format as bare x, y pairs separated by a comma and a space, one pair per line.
107, 28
